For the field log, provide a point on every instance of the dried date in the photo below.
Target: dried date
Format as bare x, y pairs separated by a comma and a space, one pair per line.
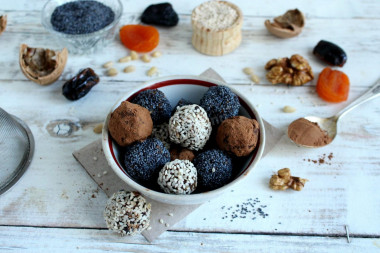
80, 85
330, 53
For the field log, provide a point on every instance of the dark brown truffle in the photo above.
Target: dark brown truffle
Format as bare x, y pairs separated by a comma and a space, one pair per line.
130, 123
181, 154
238, 135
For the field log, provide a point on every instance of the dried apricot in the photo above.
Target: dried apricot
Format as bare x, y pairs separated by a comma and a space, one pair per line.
140, 38
333, 85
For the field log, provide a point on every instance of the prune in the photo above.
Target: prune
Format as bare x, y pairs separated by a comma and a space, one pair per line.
81, 17
80, 85
330, 53
160, 14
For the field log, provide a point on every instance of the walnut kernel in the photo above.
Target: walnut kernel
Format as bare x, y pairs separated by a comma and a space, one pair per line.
295, 71
283, 180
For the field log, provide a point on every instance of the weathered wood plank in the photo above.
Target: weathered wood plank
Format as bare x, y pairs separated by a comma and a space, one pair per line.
27, 239
360, 38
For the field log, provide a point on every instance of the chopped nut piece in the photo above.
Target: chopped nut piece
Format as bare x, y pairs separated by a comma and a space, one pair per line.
156, 54
294, 71
255, 78
161, 221
98, 128
152, 71
129, 69
248, 71
288, 109
112, 72
134, 55
125, 59
145, 58
107, 64
284, 180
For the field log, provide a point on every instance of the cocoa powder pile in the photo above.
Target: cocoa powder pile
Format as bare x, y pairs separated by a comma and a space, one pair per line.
307, 133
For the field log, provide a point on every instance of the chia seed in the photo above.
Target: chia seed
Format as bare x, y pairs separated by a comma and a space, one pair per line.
81, 17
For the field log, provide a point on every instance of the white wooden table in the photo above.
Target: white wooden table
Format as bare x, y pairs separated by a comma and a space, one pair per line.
56, 206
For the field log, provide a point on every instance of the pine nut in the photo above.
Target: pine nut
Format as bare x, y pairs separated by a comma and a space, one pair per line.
98, 128
288, 109
255, 78
125, 59
108, 64
134, 55
112, 72
248, 71
156, 54
129, 69
152, 71
145, 58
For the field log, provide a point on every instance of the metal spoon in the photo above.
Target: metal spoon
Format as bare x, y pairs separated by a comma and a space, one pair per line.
330, 125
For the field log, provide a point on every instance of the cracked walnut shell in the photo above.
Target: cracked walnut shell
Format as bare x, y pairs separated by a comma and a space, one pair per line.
288, 25
3, 23
42, 66
295, 71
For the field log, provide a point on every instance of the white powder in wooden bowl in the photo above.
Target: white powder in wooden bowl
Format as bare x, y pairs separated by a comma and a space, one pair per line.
215, 15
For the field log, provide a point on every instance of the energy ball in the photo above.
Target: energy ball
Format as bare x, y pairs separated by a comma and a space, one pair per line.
157, 104
238, 135
190, 127
214, 169
143, 160
178, 177
127, 213
130, 123
181, 154
220, 103
161, 132
181, 102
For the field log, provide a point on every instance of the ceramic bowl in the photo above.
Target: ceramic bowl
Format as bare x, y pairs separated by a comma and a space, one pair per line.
191, 88
83, 43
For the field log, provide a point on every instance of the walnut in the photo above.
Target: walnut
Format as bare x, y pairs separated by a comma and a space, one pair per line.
42, 66
295, 71
288, 25
3, 23
283, 180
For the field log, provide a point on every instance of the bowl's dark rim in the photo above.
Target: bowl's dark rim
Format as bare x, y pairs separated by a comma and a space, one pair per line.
185, 82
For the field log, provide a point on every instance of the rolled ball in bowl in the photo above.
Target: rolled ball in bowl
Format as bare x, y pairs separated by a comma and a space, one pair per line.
190, 127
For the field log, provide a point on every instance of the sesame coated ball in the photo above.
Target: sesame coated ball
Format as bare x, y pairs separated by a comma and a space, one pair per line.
127, 213
220, 103
190, 127
178, 177
214, 169
157, 104
143, 160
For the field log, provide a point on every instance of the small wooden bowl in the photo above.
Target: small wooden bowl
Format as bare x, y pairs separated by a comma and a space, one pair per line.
217, 42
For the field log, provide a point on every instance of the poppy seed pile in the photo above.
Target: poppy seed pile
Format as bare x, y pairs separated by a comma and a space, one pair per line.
81, 17
189, 128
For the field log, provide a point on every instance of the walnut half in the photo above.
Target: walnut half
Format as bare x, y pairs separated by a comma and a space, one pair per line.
42, 66
288, 25
295, 71
283, 180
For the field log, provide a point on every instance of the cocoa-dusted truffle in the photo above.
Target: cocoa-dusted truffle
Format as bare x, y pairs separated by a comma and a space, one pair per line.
214, 169
130, 123
181, 154
220, 103
238, 135
178, 177
157, 103
127, 213
143, 160
190, 127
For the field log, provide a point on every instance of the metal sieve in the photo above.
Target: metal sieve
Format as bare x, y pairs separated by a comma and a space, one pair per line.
16, 149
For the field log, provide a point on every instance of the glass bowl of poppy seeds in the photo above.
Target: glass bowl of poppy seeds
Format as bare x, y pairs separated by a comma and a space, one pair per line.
161, 139
82, 26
